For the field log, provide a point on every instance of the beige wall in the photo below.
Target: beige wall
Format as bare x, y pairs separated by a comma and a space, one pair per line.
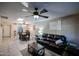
69, 27
0, 33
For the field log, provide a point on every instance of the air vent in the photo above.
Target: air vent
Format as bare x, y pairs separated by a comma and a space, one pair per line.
4, 17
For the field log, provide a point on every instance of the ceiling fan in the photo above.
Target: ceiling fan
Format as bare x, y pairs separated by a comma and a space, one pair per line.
37, 14
33, 12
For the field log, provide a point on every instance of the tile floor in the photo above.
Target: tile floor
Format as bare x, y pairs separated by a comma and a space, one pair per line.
13, 47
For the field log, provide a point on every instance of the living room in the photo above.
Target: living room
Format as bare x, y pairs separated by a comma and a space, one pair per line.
53, 26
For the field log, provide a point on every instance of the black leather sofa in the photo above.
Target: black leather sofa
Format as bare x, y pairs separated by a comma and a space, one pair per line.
49, 42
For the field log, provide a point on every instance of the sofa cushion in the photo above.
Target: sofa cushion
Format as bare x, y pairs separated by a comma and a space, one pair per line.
58, 41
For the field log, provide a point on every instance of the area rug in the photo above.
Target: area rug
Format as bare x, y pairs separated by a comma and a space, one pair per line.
47, 52
25, 52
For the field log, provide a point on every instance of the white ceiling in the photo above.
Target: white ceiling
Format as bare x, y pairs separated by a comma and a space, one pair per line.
13, 10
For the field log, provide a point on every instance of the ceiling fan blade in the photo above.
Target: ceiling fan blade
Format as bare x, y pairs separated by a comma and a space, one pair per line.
43, 11
43, 16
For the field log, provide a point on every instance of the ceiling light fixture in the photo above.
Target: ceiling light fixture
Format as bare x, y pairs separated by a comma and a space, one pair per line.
36, 16
20, 20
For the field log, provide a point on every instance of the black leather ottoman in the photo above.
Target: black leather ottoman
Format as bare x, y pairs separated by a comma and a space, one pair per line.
36, 49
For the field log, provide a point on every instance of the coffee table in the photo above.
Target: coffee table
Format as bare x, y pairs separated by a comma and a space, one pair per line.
36, 49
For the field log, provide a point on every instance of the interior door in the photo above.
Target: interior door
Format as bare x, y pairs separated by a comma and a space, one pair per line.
6, 31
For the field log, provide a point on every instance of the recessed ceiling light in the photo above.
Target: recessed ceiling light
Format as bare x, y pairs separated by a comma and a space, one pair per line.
25, 4
20, 19
24, 10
